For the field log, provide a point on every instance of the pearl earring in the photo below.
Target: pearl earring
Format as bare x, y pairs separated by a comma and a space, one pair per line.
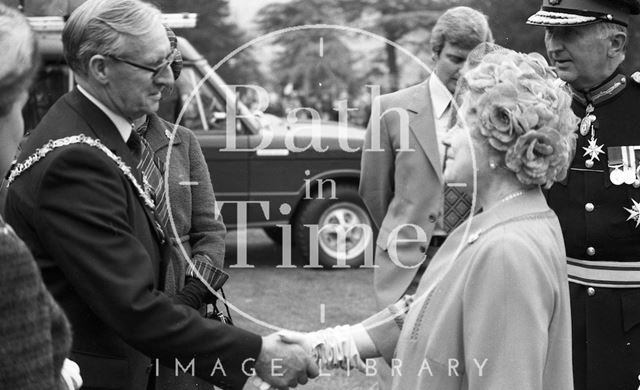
493, 164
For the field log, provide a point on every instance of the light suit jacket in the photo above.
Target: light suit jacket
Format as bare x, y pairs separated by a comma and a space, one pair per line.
401, 186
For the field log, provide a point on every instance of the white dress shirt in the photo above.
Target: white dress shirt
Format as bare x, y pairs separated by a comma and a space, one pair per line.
121, 123
441, 103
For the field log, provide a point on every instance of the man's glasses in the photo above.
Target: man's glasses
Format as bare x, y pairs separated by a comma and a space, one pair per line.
155, 70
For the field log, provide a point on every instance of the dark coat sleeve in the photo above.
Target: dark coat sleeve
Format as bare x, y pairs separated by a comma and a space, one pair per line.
83, 218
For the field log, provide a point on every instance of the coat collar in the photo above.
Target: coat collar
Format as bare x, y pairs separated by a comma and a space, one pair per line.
104, 129
160, 132
605, 91
422, 124
531, 202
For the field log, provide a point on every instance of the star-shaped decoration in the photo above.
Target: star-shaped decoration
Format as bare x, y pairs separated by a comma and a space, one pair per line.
634, 212
593, 150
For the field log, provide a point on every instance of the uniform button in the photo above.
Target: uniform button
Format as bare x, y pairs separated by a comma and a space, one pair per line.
591, 251
432, 218
591, 291
589, 207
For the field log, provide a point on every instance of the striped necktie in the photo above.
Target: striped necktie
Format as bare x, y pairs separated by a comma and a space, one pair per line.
151, 175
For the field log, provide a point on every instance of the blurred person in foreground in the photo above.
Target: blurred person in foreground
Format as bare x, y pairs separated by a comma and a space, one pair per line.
92, 220
598, 204
35, 336
491, 311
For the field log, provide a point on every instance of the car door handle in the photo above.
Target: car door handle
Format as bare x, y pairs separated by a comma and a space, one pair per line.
272, 152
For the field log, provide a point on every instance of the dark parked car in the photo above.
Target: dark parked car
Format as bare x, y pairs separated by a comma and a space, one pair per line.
312, 191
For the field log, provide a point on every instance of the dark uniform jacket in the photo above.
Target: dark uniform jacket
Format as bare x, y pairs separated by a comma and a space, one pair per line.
597, 228
93, 239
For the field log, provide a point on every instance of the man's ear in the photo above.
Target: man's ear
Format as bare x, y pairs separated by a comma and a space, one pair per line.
618, 45
97, 69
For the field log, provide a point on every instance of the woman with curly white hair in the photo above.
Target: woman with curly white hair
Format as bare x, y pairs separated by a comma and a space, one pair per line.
492, 309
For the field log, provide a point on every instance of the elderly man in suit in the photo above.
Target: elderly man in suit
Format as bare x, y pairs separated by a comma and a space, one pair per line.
401, 180
90, 217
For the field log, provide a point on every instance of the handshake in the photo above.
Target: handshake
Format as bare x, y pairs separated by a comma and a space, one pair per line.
290, 358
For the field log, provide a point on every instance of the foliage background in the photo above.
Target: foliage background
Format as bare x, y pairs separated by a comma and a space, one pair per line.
289, 65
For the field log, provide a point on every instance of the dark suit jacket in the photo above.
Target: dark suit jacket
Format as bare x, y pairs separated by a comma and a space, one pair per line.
401, 186
93, 239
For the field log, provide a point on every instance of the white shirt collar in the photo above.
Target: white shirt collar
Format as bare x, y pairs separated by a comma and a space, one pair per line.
123, 125
440, 96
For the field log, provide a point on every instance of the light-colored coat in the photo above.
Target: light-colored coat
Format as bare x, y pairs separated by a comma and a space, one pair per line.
500, 315
401, 187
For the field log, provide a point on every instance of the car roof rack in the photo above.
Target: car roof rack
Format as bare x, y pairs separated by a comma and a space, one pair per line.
55, 24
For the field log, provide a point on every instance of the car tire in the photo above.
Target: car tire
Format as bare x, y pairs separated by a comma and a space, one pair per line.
344, 211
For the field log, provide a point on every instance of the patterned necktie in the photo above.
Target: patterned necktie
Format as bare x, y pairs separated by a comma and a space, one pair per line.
457, 206
152, 179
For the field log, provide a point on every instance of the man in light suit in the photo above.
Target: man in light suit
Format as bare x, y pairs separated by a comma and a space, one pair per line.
401, 179
89, 216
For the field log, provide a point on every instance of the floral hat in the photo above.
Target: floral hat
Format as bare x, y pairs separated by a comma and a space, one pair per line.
524, 113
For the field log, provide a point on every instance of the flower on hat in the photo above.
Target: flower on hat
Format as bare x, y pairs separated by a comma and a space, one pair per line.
525, 114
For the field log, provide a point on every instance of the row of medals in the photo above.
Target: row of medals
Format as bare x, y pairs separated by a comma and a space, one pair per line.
622, 174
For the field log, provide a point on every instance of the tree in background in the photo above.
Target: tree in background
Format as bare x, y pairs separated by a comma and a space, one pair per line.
216, 36
395, 20
314, 66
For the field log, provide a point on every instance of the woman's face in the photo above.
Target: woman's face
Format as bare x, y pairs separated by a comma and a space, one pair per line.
11, 131
458, 163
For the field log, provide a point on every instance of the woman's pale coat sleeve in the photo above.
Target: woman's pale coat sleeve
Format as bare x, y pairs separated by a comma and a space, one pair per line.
508, 304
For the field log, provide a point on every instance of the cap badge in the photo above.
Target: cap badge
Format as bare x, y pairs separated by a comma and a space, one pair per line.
554, 2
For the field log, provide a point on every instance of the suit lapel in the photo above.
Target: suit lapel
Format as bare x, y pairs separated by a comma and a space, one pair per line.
103, 129
159, 133
423, 126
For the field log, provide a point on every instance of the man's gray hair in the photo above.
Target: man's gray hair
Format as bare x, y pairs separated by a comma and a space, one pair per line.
607, 30
460, 26
101, 27
19, 57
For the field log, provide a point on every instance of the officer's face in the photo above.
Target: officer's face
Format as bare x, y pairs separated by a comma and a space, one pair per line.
135, 91
579, 54
449, 63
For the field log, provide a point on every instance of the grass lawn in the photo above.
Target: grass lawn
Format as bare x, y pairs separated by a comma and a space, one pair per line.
293, 299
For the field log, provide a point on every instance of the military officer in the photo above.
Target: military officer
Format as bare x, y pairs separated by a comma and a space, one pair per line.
598, 205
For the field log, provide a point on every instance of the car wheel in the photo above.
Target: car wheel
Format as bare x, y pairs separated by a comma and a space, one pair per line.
338, 219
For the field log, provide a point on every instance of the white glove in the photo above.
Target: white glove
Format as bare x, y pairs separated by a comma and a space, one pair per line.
331, 347
71, 374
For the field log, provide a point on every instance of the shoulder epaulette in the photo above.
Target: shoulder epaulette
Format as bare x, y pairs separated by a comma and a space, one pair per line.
636, 77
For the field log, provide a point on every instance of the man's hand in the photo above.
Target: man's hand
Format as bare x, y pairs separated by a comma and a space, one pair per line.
284, 365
